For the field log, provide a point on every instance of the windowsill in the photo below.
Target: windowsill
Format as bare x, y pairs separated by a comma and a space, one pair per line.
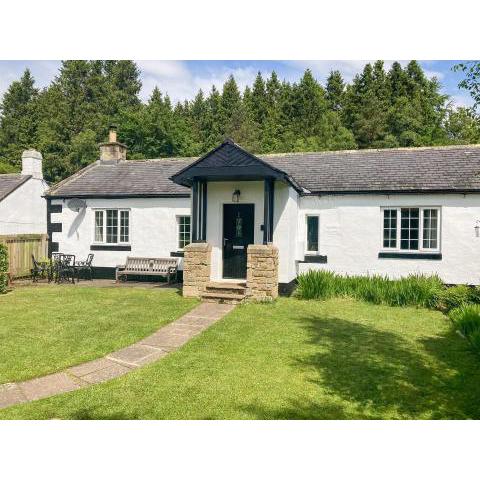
314, 258
111, 246
412, 255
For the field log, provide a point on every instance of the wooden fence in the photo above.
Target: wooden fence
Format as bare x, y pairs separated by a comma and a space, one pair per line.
20, 250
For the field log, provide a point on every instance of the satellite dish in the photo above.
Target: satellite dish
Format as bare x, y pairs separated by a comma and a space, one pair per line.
76, 204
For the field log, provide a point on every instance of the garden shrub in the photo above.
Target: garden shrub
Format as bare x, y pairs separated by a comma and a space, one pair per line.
419, 290
457, 296
467, 320
3, 268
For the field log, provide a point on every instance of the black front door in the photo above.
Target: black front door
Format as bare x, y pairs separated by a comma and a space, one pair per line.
238, 230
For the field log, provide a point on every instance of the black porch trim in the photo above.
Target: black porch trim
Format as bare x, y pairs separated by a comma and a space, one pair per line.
199, 211
411, 256
111, 247
314, 259
227, 162
177, 254
269, 185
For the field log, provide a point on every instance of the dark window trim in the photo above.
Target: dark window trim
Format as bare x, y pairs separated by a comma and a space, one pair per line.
314, 259
111, 247
411, 256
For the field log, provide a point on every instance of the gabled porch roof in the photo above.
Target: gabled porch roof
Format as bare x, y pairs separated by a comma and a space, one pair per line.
227, 162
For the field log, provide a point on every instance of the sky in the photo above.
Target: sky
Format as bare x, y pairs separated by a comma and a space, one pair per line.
182, 79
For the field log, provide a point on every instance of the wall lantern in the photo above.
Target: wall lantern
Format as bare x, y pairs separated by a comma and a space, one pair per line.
236, 196
477, 228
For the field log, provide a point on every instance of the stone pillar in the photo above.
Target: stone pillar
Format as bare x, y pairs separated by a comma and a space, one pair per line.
196, 268
262, 272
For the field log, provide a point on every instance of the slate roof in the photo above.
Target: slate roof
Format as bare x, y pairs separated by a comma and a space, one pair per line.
10, 182
452, 168
425, 169
126, 179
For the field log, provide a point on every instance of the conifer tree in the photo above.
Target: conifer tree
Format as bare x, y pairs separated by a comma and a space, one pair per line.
18, 121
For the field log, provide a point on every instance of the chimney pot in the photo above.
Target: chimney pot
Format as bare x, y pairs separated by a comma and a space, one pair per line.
32, 163
112, 134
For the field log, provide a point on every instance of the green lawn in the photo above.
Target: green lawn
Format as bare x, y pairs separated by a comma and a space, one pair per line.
338, 359
44, 329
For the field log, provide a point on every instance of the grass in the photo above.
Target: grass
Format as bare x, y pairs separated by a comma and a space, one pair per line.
338, 359
44, 329
413, 290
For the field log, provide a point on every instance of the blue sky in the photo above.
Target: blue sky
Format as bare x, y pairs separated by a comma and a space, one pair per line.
182, 79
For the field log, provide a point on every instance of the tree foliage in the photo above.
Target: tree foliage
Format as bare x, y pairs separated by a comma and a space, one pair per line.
379, 108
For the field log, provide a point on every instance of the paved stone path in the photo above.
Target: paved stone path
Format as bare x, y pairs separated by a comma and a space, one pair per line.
161, 343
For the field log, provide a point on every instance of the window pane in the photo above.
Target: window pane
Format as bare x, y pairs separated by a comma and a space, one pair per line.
112, 226
389, 228
430, 228
312, 234
409, 228
183, 231
99, 226
124, 225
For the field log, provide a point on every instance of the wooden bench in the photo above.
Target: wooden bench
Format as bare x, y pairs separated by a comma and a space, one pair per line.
147, 266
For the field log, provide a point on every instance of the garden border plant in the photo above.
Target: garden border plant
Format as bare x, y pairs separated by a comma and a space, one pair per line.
3, 268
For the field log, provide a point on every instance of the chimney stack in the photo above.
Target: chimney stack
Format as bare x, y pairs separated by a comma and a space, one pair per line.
112, 151
32, 164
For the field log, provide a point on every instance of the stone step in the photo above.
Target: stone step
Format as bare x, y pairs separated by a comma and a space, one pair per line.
227, 285
221, 297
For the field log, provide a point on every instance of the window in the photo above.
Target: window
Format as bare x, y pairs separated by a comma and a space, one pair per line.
312, 233
389, 228
99, 226
112, 226
411, 228
183, 231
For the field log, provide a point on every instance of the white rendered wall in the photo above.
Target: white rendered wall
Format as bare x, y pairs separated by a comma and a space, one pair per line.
24, 210
285, 233
153, 228
351, 235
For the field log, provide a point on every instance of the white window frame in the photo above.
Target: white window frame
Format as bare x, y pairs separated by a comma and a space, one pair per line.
420, 232
178, 217
306, 233
104, 227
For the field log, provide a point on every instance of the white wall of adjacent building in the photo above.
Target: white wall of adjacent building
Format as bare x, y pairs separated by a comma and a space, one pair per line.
350, 230
24, 211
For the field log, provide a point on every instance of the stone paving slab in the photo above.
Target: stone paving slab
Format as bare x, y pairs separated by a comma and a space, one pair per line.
152, 348
10, 394
49, 385
90, 367
134, 354
113, 371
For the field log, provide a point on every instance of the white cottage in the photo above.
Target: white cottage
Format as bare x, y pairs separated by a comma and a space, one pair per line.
390, 212
22, 206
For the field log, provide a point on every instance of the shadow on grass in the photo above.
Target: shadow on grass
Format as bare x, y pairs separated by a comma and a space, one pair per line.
363, 373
